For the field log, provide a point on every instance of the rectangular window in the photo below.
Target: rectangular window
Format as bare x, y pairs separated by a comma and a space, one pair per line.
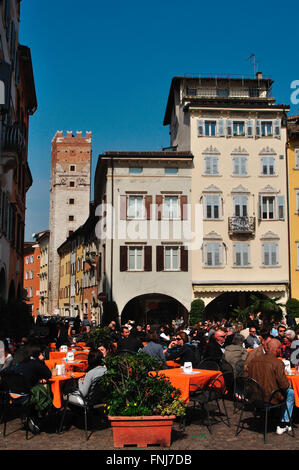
31, 259
297, 249
72, 168
240, 166
268, 207
266, 128
135, 170
213, 254
210, 128
270, 253
241, 254
71, 218
72, 184
241, 205
135, 258
297, 202
268, 166
71, 201
135, 207
211, 165
171, 262
171, 171
239, 128
171, 207
212, 207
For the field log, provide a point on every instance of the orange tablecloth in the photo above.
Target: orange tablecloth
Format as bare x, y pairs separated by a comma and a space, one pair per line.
294, 381
182, 381
56, 383
172, 364
61, 355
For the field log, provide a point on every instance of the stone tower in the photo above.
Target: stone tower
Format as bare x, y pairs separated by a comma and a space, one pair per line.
69, 197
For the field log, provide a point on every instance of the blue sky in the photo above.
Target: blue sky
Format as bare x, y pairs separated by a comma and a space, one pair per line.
107, 68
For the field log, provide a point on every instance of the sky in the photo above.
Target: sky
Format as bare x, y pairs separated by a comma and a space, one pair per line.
106, 67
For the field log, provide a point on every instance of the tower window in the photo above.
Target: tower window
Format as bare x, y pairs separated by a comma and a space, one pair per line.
72, 168
72, 201
72, 184
71, 218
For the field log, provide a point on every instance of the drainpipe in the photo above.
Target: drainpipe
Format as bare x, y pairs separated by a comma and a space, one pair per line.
112, 227
288, 214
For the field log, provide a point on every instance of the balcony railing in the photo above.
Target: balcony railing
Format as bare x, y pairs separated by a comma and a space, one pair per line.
241, 225
12, 145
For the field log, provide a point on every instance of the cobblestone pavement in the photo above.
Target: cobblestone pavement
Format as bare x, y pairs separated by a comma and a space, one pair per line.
195, 437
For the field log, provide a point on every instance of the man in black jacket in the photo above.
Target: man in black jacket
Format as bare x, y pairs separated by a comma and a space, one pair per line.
215, 348
127, 341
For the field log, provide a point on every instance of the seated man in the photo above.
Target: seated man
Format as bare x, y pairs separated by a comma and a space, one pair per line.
216, 347
269, 372
252, 340
127, 341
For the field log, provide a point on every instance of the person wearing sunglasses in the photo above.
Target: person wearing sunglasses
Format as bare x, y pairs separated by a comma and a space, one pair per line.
180, 349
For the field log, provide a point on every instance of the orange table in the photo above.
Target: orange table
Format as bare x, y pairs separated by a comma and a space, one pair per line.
172, 364
182, 381
294, 381
61, 355
56, 383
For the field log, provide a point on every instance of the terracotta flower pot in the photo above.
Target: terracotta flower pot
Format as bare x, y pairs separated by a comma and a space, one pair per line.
141, 430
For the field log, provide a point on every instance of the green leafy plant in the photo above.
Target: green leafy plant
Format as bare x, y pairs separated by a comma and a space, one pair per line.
292, 307
271, 309
196, 311
95, 337
132, 391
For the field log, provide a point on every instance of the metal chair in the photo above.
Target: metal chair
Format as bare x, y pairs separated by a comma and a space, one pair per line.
14, 398
94, 397
214, 391
250, 396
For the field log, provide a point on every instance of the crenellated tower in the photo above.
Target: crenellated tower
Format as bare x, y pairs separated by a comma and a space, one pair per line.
69, 197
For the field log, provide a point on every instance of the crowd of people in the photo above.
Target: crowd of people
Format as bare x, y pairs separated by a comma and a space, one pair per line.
249, 349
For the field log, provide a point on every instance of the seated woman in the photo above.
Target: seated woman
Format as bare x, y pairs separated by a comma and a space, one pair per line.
33, 366
235, 354
180, 349
95, 369
154, 348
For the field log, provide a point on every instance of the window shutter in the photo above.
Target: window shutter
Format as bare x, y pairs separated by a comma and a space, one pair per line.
159, 207
235, 165
184, 259
123, 258
148, 203
160, 258
229, 128
277, 127
184, 207
208, 166
249, 128
147, 258
257, 128
260, 207
200, 128
123, 207
297, 158
280, 208
220, 128
243, 166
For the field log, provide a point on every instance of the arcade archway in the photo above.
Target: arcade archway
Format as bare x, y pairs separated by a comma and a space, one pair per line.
223, 305
155, 309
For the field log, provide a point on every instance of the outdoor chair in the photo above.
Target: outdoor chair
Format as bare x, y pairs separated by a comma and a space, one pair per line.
214, 391
14, 400
81, 356
250, 397
208, 364
93, 398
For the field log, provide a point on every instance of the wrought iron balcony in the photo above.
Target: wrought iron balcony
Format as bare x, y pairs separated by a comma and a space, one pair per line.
12, 144
241, 225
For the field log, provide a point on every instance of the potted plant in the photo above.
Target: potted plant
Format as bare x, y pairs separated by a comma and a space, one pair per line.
141, 404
